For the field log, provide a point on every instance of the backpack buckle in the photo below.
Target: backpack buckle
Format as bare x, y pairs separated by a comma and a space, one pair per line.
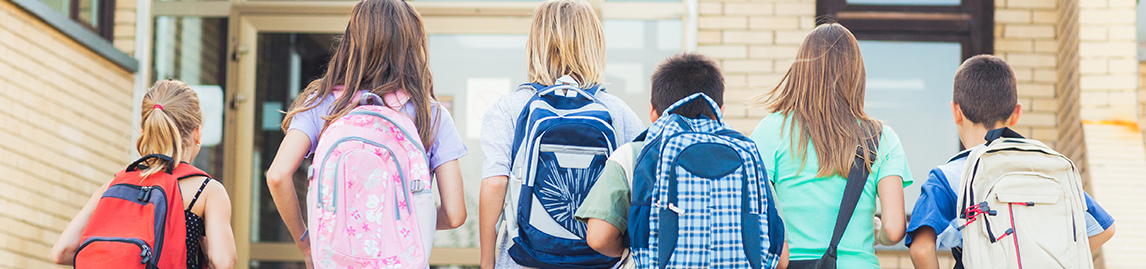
417, 186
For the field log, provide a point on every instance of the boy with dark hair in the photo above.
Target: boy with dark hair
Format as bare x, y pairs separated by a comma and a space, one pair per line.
985, 98
681, 76
606, 208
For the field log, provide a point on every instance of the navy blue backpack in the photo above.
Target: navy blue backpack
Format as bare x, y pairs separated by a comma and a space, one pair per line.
563, 137
701, 197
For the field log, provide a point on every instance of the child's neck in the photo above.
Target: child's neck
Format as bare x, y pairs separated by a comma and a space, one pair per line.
972, 134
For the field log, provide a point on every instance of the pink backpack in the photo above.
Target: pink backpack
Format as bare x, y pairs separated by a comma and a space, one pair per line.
366, 170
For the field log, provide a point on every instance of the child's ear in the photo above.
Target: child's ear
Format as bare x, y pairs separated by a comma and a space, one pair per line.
957, 113
653, 116
1014, 119
198, 134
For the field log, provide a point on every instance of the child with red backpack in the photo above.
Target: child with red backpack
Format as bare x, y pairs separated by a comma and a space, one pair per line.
160, 212
378, 137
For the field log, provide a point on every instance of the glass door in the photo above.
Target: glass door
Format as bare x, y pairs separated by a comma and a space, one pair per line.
273, 57
477, 53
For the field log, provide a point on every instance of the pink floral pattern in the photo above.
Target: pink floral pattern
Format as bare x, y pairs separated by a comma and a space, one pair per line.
356, 198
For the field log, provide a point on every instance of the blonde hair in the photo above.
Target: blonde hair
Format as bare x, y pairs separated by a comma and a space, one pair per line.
170, 115
566, 38
824, 95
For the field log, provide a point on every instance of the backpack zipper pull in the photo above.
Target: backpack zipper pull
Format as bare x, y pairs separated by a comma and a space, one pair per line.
142, 192
145, 255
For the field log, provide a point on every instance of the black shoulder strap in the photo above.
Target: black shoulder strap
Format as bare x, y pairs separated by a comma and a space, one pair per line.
1000, 133
196, 198
852, 192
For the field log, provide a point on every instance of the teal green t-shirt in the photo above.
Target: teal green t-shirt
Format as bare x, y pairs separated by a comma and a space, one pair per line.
809, 204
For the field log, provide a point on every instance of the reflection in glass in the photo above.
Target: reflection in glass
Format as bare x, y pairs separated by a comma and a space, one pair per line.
634, 48
286, 63
471, 71
909, 89
906, 2
87, 11
192, 49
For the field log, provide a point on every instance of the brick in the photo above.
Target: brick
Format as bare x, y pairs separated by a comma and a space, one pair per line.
1012, 16
1042, 104
1122, 32
724, 52
1123, 3
1039, 119
1041, 16
1036, 90
1046, 46
710, 8
1043, 4
767, 81
1030, 60
1106, 16
802, 8
708, 37
1107, 82
1094, 99
1124, 65
746, 66
730, 81
1092, 33
807, 22
1028, 31
747, 37
1045, 75
709, 22
1011, 45
748, 9
1092, 66
790, 37
773, 52
773, 22
1108, 49
1091, 4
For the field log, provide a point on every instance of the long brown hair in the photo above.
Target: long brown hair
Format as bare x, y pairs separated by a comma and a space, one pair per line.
170, 116
824, 94
566, 38
383, 50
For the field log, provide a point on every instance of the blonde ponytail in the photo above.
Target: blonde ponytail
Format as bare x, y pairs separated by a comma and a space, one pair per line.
170, 114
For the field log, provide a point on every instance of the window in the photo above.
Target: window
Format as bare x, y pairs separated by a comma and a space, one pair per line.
96, 15
911, 50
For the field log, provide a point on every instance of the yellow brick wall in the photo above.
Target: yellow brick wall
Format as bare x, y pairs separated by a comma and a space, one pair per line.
65, 113
1025, 36
1108, 101
125, 26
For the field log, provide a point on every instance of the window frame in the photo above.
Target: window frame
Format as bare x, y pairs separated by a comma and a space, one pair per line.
971, 23
104, 15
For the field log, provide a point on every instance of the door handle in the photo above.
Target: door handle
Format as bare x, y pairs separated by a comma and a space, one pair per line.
238, 98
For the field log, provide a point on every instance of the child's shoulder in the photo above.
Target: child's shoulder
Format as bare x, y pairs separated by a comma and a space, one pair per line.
952, 170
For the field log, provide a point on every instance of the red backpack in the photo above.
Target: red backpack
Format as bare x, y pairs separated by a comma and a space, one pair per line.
139, 222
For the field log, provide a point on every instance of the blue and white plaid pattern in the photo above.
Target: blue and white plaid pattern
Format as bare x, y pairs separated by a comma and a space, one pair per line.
709, 229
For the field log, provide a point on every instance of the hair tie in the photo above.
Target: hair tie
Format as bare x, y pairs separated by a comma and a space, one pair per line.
157, 106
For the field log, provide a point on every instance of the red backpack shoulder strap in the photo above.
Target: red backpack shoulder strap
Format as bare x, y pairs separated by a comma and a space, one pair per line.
186, 170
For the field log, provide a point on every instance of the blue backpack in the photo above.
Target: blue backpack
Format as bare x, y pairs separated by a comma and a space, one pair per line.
701, 197
563, 137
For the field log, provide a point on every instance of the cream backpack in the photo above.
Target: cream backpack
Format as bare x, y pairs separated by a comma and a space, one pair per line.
1022, 206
